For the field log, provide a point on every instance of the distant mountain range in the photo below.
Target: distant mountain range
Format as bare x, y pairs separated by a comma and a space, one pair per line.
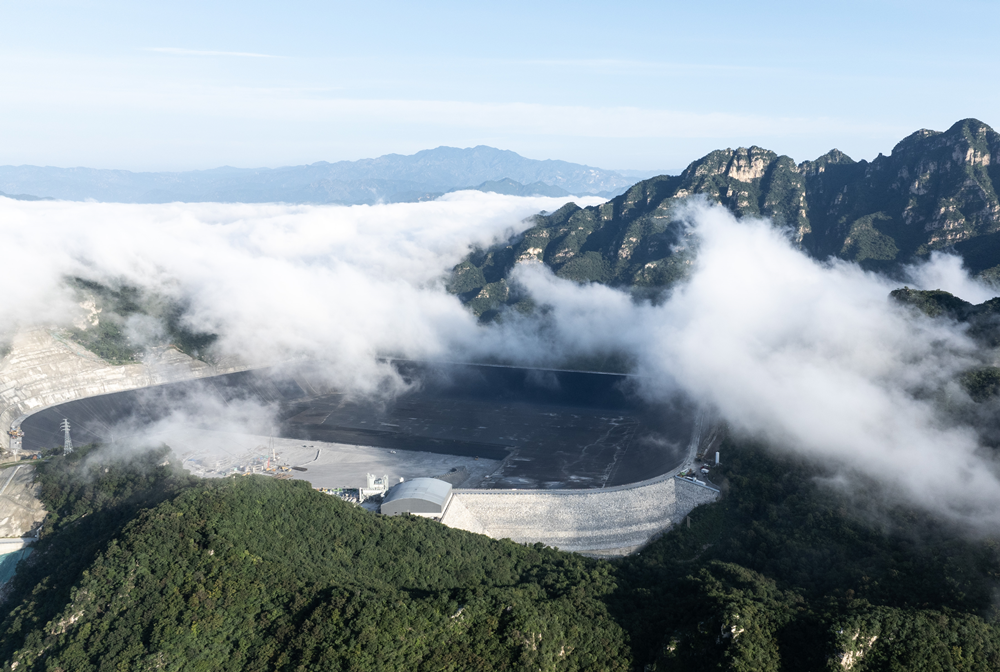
390, 178
24, 197
936, 191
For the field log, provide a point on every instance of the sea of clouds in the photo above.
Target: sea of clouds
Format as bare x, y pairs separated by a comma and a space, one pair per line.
810, 355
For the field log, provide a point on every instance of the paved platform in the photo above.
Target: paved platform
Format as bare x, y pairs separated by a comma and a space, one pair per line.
212, 454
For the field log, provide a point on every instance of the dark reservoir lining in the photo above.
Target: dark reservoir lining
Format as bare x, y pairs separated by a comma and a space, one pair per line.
563, 429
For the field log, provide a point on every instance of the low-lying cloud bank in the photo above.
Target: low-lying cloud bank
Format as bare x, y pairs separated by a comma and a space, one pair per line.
276, 282
811, 356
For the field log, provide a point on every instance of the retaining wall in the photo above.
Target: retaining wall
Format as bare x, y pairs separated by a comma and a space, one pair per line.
612, 521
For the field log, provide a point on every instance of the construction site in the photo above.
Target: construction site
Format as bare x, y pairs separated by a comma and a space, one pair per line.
575, 460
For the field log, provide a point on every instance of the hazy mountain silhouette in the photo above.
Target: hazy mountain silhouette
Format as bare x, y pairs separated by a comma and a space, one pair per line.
389, 178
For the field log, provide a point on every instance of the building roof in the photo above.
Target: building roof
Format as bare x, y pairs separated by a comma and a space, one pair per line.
420, 495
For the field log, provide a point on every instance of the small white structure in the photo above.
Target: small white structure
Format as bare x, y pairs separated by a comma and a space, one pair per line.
376, 486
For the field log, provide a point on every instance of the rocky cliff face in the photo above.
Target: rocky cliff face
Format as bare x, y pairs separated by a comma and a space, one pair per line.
935, 191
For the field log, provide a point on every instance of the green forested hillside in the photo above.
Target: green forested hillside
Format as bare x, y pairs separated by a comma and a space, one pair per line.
142, 567
934, 191
981, 324
260, 574
159, 322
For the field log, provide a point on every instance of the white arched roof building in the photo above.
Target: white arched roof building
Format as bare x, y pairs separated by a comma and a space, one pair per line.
420, 496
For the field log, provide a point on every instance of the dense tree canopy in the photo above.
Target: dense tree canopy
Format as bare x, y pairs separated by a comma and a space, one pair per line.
144, 567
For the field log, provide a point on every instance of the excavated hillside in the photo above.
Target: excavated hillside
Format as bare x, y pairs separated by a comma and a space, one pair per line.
935, 191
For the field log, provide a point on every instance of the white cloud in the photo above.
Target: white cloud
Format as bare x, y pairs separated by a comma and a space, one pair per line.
947, 272
812, 356
343, 284
115, 86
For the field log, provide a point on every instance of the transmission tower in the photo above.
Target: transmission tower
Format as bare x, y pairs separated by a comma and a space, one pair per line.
67, 441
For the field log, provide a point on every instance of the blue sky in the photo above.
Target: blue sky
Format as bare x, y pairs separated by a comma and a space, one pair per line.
641, 85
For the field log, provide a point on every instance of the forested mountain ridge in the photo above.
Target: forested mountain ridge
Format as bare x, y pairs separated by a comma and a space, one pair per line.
142, 566
935, 191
